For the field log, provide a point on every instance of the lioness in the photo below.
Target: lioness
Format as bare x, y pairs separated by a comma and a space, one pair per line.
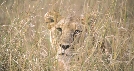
65, 32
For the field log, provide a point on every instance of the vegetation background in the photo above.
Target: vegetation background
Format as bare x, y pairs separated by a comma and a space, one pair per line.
24, 37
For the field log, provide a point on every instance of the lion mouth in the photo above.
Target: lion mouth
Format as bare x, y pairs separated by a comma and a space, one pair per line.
64, 54
61, 53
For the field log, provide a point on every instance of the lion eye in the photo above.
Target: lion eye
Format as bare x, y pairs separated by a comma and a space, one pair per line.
59, 29
52, 20
77, 31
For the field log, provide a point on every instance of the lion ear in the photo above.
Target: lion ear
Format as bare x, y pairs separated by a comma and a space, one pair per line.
52, 18
84, 19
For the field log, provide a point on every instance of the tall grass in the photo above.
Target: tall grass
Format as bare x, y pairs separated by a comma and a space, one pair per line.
24, 38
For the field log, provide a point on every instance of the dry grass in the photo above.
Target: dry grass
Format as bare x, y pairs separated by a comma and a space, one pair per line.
24, 39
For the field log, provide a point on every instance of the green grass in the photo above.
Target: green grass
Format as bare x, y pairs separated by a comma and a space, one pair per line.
24, 37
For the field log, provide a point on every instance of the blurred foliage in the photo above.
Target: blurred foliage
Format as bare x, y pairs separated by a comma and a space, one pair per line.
24, 38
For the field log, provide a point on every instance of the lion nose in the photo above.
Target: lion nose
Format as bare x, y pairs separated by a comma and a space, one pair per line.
64, 46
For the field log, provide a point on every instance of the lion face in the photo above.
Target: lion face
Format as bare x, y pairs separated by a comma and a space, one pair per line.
70, 34
65, 33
